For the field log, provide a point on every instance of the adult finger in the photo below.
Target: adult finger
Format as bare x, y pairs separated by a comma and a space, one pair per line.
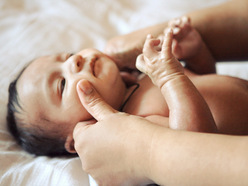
92, 101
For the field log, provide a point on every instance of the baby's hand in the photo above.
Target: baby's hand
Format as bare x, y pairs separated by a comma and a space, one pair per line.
160, 66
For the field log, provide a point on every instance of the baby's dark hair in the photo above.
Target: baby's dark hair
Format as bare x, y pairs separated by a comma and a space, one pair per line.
29, 137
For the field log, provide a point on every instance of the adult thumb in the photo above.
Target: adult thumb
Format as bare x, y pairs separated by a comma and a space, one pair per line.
92, 101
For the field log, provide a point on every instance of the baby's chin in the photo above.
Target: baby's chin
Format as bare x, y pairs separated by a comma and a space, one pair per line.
129, 78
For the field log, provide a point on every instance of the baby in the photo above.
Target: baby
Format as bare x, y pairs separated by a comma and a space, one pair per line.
44, 106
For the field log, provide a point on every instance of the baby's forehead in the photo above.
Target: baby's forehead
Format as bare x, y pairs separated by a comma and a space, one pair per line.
39, 67
44, 63
31, 83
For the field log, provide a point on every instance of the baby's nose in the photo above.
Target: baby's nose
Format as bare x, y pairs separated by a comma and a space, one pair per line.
76, 63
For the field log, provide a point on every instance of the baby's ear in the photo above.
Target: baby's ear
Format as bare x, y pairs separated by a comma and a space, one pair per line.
69, 144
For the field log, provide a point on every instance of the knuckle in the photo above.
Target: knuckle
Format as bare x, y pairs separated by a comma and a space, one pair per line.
93, 101
139, 59
138, 66
96, 105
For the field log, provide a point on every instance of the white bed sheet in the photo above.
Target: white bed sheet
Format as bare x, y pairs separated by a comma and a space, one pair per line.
32, 28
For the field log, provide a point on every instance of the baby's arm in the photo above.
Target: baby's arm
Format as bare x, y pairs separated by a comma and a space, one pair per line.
188, 109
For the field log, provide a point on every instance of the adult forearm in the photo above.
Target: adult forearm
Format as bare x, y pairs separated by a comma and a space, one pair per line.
187, 158
224, 29
124, 49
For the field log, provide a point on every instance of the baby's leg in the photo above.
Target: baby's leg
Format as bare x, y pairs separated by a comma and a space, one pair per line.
188, 109
189, 46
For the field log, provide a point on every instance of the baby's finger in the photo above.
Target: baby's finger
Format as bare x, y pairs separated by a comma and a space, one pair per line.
92, 101
149, 49
166, 51
159, 46
140, 63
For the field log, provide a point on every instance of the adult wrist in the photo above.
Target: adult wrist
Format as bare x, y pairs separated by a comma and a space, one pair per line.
139, 158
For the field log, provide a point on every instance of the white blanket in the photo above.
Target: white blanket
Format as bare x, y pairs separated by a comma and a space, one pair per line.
32, 28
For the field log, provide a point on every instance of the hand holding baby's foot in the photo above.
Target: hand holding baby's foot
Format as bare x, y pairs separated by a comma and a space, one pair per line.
160, 66
187, 41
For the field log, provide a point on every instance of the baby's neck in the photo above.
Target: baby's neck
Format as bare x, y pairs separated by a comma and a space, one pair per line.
130, 91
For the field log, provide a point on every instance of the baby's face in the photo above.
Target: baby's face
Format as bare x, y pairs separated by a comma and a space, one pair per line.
47, 88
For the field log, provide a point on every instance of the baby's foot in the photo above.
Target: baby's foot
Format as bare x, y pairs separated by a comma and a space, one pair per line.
160, 65
187, 41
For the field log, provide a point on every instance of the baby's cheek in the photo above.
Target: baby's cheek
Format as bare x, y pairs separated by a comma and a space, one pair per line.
82, 115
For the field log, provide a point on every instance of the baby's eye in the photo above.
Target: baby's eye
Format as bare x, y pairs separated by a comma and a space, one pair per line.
62, 86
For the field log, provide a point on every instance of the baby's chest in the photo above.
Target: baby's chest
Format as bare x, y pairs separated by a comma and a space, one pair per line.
147, 101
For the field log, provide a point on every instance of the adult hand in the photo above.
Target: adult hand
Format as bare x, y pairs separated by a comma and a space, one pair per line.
124, 49
114, 149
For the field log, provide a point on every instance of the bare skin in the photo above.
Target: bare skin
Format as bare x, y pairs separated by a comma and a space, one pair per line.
163, 155
166, 156
223, 28
167, 73
189, 46
164, 99
188, 111
220, 99
170, 104
125, 49
182, 97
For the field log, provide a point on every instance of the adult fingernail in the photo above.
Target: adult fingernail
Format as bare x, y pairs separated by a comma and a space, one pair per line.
86, 87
